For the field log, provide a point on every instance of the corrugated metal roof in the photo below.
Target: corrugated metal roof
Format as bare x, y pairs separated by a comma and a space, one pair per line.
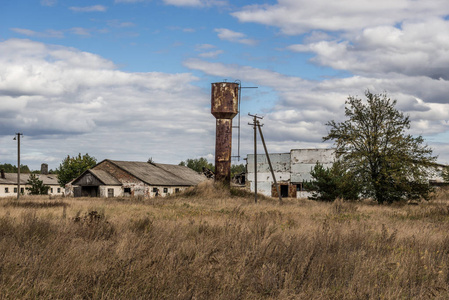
105, 177
11, 178
160, 174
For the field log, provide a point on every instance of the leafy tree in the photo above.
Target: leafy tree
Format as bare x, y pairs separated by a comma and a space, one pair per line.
197, 164
445, 174
372, 144
237, 169
37, 186
329, 184
72, 167
8, 168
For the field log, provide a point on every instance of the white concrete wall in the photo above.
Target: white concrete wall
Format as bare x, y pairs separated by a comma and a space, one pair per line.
12, 193
10, 188
118, 191
281, 168
170, 190
303, 161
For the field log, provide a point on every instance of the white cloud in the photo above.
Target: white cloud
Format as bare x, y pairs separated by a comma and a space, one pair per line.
211, 54
233, 36
93, 8
49, 33
68, 101
413, 49
301, 16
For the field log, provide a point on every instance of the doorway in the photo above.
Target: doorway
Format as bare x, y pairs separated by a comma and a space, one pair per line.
284, 191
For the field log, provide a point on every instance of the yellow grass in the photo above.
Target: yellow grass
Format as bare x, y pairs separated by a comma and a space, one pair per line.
210, 243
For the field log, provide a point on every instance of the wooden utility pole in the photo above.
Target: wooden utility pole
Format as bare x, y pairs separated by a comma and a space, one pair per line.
254, 124
269, 162
18, 163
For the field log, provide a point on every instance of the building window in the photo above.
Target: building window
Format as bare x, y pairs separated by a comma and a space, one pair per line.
127, 190
15, 190
110, 193
165, 190
6, 190
51, 190
154, 190
59, 190
176, 190
21, 190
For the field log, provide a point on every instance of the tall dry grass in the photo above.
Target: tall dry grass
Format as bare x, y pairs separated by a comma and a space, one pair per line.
211, 243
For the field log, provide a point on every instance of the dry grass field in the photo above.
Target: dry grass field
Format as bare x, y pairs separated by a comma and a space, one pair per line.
213, 244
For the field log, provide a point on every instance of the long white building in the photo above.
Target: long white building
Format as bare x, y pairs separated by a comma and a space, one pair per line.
291, 170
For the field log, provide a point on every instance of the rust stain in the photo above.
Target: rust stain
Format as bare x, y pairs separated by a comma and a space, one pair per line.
224, 107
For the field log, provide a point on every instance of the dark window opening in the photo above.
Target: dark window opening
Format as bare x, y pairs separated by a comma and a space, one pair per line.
176, 190
51, 190
284, 190
15, 190
21, 190
110, 193
59, 190
299, 187
154, 190
165, 190
6, 190
126, 191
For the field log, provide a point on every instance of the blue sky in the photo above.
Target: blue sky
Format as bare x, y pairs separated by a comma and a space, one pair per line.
130, 79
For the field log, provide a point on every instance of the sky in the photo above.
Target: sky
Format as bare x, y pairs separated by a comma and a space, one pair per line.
131, 79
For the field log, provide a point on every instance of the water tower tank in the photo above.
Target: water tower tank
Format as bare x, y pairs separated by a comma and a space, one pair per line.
224, 107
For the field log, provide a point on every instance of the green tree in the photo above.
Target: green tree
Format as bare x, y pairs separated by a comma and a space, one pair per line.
37, 187
373, 145
72, 167
329, 184
237, 169
445, 174
197, 164
8, 168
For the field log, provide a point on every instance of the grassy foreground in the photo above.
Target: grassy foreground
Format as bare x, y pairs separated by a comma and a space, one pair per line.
209, 244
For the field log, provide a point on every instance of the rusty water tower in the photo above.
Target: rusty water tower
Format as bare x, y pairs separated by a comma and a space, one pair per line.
225, 100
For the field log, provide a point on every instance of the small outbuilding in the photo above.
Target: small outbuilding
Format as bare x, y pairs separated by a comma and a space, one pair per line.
113, 178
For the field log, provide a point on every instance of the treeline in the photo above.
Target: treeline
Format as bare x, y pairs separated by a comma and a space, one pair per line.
197, 164
8, 168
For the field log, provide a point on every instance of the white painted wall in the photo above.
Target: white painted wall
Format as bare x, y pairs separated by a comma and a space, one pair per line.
12, 193
303, 161
293, 167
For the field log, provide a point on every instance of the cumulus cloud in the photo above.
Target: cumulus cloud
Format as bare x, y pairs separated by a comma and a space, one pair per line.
49, 33
81, 102
233, 36
93, 8
301, 16
414, 49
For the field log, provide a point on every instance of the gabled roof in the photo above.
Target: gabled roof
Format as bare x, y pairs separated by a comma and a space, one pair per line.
47, 179
160, 174
103, 176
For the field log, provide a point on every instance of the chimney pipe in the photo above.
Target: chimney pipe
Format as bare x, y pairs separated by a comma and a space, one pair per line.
224, 107
44, 169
